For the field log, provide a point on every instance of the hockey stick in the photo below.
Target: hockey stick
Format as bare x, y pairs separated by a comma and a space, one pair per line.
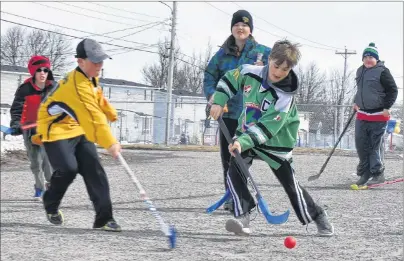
169, 231
28, 126
5, 129
389, 182
271, 219
314, 177
220, 202
8, 130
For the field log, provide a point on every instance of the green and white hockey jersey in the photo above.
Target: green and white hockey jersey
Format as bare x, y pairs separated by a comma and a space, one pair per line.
269, 122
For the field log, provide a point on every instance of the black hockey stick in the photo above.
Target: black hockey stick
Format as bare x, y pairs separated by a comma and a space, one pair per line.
314, 177
272, 219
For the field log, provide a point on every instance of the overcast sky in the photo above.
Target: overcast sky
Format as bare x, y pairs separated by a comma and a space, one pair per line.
321, 27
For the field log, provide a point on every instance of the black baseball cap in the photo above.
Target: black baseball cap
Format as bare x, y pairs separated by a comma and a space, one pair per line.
91, 50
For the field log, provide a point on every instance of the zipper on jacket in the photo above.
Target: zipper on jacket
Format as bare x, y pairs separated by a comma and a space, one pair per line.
362, 78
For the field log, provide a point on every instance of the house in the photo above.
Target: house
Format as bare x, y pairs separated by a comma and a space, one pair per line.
142, 108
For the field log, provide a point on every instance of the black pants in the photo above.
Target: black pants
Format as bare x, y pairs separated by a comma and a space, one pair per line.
72, 156
303, 204
224, 146
369, 146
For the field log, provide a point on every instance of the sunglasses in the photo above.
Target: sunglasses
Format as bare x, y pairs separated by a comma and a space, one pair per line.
45, 70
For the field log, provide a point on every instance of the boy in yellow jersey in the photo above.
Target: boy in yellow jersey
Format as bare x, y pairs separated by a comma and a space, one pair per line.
71, 119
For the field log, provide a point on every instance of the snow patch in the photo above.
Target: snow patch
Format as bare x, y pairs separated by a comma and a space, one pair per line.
12, 143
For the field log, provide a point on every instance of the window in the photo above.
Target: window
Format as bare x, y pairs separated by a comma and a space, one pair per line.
146, 126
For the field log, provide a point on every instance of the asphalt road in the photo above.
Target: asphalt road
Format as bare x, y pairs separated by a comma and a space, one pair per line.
368, 224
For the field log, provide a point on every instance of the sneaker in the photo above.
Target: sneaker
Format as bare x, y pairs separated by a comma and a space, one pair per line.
56, 219
377, 179
239, 225
228, 205
324, 227
363, 179
38, 194
110, 226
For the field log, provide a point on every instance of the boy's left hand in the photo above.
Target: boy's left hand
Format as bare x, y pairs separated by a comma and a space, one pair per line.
386, 113
216, 111
235, 146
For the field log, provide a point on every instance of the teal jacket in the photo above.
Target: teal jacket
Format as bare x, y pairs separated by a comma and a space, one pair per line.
227, 59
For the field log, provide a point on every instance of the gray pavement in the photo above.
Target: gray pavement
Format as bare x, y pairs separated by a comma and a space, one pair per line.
368, 224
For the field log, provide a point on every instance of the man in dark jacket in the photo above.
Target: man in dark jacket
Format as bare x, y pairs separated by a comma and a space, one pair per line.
376, 94
24, 113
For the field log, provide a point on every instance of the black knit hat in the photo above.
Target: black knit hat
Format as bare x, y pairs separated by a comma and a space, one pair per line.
242, 16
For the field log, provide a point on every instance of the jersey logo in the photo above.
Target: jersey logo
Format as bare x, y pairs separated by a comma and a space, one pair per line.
247, 89
251, 116
265, 105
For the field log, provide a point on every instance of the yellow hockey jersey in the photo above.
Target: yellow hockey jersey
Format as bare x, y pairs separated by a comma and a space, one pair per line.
76, 106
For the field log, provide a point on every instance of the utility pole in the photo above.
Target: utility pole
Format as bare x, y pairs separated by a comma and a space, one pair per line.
344, 54
170, 72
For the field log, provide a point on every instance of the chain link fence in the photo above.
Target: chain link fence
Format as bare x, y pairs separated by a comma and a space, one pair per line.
144, 122
143, 113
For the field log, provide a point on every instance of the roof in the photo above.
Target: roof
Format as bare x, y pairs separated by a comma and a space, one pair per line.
5, 105
185, 93
14, 68
116, 82
122, 82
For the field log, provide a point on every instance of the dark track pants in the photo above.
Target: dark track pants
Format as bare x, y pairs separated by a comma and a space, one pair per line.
72, 156
303, 204
224, 146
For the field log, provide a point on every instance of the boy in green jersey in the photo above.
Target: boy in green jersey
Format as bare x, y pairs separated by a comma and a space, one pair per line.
267, 129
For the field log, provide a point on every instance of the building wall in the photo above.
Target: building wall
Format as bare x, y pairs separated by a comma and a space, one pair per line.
142, 112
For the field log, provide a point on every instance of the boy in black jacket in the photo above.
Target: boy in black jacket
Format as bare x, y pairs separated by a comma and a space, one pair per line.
24, 112
376, 94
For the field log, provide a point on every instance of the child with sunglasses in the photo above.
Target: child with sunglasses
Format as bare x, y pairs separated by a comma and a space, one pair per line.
24, 112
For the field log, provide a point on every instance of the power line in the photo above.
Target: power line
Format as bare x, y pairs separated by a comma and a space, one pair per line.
65, 54
77, 37
99, 12
150, 27
289, 31
110, 7
279, 36
91, 34
83, 15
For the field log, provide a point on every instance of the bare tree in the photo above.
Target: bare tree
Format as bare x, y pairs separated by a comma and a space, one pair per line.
36, 43
156, 74
12, 43
188, 72
311, 84
196, 74
58, 49
18, 45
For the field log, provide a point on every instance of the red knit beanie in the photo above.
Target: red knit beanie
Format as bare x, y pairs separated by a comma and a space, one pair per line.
37, 62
